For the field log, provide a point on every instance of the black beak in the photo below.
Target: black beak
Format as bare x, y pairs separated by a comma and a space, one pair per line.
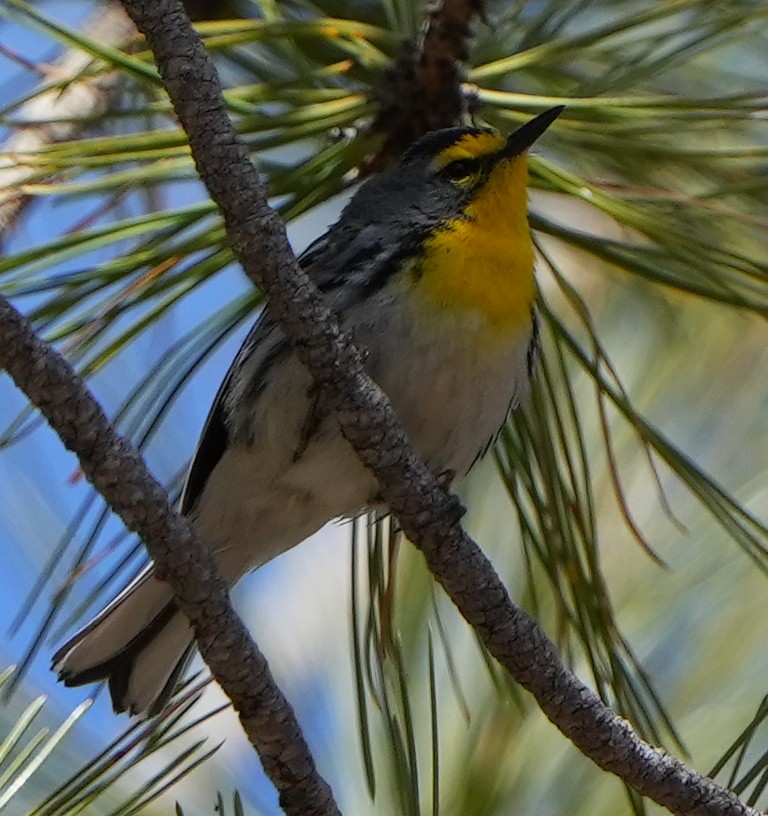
519, 141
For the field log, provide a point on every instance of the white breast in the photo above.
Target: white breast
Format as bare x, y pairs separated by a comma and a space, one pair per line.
450, 387
452, 384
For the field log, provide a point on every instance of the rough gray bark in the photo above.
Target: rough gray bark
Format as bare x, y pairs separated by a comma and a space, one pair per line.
181, 557
428, 515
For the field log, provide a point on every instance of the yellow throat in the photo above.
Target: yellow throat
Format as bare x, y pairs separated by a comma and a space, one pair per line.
483, 262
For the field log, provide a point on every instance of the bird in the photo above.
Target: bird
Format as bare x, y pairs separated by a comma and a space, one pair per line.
430, 268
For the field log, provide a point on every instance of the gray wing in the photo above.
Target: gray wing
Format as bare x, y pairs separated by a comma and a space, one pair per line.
346, 266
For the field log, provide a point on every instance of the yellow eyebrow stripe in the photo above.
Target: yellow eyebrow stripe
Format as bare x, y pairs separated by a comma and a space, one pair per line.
471, 146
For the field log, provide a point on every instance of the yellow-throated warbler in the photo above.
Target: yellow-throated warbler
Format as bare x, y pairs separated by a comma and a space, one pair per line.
430, 267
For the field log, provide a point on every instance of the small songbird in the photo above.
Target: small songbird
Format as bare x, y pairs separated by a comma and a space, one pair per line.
430, 268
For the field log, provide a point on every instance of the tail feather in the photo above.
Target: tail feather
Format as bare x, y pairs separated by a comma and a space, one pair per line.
140, 643
148, 671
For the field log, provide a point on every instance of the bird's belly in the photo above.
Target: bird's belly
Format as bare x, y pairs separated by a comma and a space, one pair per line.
457, 389
451, 388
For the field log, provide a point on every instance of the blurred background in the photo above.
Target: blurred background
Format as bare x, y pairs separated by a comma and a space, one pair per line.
625, 506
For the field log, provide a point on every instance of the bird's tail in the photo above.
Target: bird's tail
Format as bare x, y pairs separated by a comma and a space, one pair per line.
140, 643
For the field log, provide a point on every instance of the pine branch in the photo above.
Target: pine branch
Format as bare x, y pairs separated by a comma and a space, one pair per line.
422, 91
59, 114
427, 514
181, 558
63, 113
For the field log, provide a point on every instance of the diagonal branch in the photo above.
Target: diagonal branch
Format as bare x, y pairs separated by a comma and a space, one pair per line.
427, 514
181, 557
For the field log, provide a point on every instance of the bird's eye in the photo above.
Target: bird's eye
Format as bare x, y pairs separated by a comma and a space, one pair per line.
460, 169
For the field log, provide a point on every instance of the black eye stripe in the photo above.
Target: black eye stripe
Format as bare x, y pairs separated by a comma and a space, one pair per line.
461, 168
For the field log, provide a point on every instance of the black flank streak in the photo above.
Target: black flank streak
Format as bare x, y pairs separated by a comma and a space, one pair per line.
277, 354
316, 413
213, 443
535, 342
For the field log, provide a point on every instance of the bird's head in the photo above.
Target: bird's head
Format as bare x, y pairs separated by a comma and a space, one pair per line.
455, 173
